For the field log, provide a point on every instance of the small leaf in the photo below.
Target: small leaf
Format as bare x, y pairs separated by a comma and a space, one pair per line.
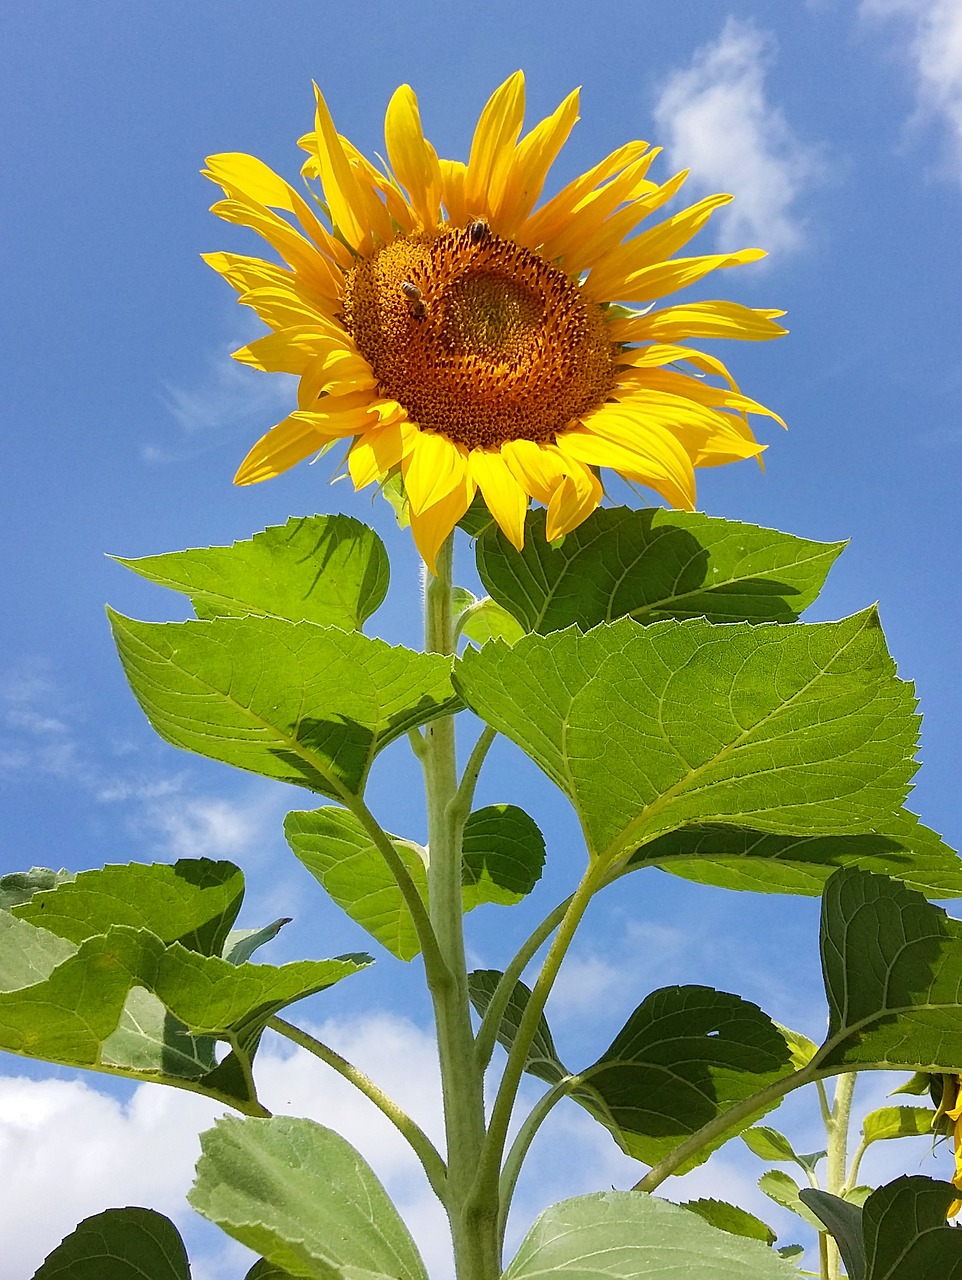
791, 1252
730, 1218
242, 943
626, 1235
768, 1144
542, 1059
844, 1222
652, 565
20, 886
484, 620
683, 1058
119, 1244
858, 1195
892, 964
293, 701
332, 570
801, 1048
778, 1186
504, 855
302, 1197
897, 1122
337, 851
797, 730
917, 1085
264, 1270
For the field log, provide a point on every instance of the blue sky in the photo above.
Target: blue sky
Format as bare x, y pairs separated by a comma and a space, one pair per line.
838, 127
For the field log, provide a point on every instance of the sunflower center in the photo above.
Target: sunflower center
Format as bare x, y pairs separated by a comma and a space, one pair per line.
477, 337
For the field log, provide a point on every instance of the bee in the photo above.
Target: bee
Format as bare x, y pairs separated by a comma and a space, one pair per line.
478, 231
414, 299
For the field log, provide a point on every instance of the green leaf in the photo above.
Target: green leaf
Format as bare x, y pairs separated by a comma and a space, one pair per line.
337, 851
302, 1197
892, 964
332, 570
483, 620
105, 1007
683, 1058
293, 701
732, 857
897, 1122
844, 1223
778, 1186
542, 1059
652, 565
20, 886
798, 730
906, 1235
193, 902
27, 954
625, 1235
503, 857
119, 1244
730, 1218
768, 1144
264, 1270
242, 943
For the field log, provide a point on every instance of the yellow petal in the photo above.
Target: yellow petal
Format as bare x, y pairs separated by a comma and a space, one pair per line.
572, 502
652, 456
529, 166
667, 277
546, 223
431, 527
413, 159
503, 496
297, 252
355, 210
537, 468
375, 452
290, 442
493, 145
433, 469
453, 177
715, 319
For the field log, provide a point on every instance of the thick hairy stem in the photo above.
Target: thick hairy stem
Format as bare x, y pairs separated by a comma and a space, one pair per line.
473, 1218
418, 1140
837, 1157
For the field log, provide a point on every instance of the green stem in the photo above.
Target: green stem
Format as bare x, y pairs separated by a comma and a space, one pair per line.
491, 1022
473, 1218
464, 796
494, 1143
418, 1140
519, 1148
837, 1155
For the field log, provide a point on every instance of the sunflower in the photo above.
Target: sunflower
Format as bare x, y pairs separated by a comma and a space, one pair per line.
454, 333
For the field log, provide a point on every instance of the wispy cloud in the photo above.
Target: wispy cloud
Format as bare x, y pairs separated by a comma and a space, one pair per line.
717, 117
934, 49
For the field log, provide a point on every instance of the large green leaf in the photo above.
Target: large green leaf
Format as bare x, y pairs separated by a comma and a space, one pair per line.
791, 729
652, 565
119, 1244
685, 1056
765, 862
627, 1235
105, 1006
327, 569
293, 701
303, 1198
899, 1234
503, 857
193, 902
20, 886
892, 964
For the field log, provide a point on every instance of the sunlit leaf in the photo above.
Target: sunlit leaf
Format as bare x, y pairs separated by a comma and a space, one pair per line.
293, 701
327, 569
20, 886
652, 565
303, 1198
897, 1122
796, 730
730, 1218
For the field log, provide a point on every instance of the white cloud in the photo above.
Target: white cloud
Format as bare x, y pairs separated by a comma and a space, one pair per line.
716, 118
935, 51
